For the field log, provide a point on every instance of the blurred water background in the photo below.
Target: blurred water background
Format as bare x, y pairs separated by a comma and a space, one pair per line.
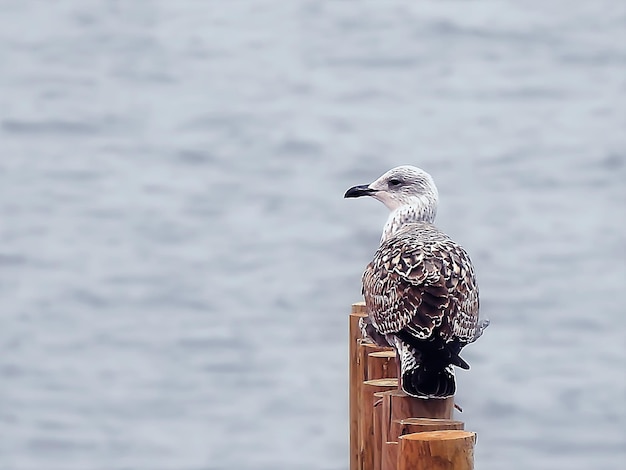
177, 263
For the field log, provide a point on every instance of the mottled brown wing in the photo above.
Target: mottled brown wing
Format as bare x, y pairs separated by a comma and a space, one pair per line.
421, 281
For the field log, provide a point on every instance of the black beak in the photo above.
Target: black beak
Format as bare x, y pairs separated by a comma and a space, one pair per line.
358, 191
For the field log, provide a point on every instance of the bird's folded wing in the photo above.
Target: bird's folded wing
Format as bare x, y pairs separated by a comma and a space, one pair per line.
419, 286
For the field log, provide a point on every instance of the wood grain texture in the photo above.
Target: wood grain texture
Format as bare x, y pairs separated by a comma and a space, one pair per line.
378, 438
368, 444
357, 312
390, 456
437, 450
397, 406
382, 364
413, 425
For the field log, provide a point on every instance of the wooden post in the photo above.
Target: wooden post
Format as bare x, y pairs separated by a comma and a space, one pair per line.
412, 425
364, 351
366, 432
386, 423
437, 450
397, 405
382, 364
364, 410
389, 449
390, 456
358, 311
378, 437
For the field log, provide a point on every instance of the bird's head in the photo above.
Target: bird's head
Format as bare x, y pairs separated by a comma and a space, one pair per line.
403, 185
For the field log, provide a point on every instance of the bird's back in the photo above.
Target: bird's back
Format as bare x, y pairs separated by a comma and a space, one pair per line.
422, 282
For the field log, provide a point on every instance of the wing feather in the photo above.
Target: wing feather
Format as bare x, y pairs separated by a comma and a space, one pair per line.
422, 282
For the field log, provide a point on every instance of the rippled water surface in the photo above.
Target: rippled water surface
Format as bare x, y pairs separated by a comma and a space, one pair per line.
177, 262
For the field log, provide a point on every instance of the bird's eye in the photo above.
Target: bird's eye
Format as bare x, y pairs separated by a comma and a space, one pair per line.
394, 182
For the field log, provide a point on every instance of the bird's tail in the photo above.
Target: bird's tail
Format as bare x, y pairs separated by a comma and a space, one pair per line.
427, 375
421, 381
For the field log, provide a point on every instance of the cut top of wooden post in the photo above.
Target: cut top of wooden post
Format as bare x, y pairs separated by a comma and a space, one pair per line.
358, 308
437, 450
388, 353
412, 425
445, 435
405, 406
381, 365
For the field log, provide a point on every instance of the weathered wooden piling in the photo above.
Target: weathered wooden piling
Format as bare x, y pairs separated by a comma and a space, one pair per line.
368, 445
398, 406
382, 364
390, 430
378, 438
390, 456
437, 450
358, 312
413, 425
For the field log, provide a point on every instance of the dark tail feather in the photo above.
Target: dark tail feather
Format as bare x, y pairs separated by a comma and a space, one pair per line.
436, 349
458, 361
433, 383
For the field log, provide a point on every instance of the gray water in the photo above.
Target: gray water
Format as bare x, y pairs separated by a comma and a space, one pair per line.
177, 263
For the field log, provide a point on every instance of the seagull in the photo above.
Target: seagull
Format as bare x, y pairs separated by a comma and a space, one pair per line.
420, 289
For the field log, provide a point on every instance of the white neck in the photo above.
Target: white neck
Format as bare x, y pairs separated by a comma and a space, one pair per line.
421, 209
